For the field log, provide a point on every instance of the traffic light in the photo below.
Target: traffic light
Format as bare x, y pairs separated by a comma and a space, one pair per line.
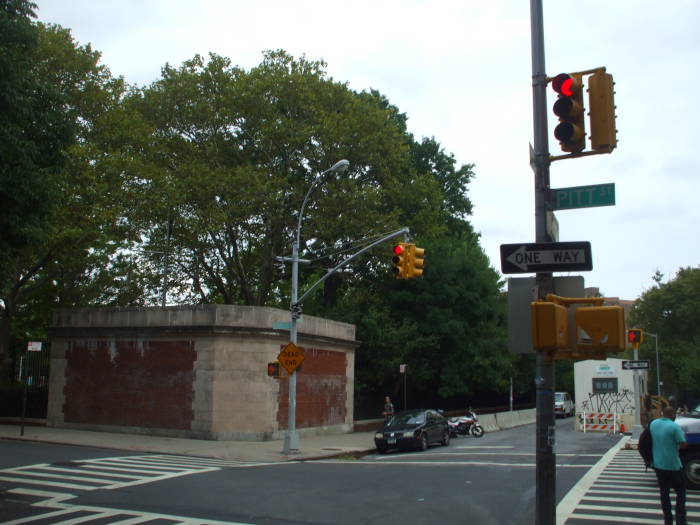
635, 336
400, 260
571, 130
549, 325
416, 261
601, 106
600, 328
273, 369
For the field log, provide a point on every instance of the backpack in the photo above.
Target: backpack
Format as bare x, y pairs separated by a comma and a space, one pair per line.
644, 446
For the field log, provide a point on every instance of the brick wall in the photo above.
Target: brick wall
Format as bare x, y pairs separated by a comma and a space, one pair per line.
321, 391
130, 383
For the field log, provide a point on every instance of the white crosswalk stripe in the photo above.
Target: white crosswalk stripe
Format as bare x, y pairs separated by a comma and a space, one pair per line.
112, 473
624, 493
64, 513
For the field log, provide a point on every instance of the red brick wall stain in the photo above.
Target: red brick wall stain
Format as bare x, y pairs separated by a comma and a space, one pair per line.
321, 391
127, 383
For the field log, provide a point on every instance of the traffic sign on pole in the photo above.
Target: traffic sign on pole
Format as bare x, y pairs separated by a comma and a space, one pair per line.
636, 365
546, 257
291, 357
583, 196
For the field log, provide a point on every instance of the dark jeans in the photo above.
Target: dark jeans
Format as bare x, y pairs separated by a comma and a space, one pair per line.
672, 479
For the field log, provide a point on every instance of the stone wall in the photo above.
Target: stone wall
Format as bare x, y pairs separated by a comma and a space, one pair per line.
196, 372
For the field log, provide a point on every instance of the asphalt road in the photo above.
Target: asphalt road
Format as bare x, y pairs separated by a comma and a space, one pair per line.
490, 480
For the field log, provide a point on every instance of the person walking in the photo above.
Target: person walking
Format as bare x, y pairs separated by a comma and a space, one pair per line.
666, 438
388, 408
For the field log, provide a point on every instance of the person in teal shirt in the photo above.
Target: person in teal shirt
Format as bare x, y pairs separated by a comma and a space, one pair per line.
666, 438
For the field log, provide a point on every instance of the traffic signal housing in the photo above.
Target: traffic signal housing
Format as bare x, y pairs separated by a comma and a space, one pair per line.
416, 261
635, 336
549, 326
400, 261
600, 328
571, 130
601, 111
273, 370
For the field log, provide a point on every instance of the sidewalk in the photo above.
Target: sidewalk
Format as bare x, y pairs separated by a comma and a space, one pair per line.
310, 447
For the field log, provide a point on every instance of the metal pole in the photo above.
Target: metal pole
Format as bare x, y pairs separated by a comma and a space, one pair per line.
658, 373
291, 438
637, 429
658, 368
545, 507
405, 373
511, 393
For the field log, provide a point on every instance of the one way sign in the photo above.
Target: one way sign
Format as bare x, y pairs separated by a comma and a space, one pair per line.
546, 257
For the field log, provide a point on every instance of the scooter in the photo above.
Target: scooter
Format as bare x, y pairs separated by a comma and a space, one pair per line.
465, 425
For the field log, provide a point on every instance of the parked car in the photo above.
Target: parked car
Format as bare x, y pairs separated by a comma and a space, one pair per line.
563, 405
412, 429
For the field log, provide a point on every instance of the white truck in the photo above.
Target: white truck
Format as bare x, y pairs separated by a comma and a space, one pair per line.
690, 456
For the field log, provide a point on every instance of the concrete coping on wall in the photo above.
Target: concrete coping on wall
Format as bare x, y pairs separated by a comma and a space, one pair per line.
194, 318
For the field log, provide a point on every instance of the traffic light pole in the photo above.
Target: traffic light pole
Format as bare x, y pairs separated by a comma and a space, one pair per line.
545, 508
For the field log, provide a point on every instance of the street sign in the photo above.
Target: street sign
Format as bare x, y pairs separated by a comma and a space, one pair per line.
291, 357
34, 346
583, 196
635, 365
546, 257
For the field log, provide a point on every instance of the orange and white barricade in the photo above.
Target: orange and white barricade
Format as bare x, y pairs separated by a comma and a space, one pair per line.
599, 422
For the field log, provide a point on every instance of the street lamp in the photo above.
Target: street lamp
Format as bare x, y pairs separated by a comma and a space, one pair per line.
291, 438
658, 377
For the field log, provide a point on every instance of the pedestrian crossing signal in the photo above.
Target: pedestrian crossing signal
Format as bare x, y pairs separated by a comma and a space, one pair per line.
273, 369
635, 336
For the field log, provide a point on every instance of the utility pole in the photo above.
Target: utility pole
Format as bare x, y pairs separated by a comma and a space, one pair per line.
545, 508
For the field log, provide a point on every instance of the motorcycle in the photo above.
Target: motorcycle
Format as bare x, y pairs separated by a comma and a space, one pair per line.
465, 425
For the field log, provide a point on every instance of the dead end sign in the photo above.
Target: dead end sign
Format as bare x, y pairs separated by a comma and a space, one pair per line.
546, 257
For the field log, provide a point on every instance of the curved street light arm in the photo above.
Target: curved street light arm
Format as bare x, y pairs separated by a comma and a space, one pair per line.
346, 261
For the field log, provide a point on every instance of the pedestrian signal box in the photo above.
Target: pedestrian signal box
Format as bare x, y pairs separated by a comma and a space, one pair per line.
600, 328
549, 326
635, 336
273, 369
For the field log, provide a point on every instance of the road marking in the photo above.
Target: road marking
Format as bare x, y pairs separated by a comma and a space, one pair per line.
619, 490
447, 463
114, 472
88, 513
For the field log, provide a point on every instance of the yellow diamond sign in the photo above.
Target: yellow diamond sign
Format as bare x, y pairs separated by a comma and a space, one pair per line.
291, 357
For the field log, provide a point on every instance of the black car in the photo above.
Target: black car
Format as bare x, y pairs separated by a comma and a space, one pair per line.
412, 429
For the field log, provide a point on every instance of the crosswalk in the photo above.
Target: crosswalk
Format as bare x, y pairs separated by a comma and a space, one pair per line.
54, 507
111, 473
43, 487
622, 492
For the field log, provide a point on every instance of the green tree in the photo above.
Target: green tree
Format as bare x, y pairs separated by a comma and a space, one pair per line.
227, 155
670, 310
70, 238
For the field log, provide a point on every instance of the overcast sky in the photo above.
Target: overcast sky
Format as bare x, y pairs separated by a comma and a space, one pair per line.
461, 71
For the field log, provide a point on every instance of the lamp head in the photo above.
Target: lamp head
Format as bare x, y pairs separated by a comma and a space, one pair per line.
340, 166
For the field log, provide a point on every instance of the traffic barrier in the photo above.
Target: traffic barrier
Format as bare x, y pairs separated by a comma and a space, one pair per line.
515, 418
598, 422
488, 421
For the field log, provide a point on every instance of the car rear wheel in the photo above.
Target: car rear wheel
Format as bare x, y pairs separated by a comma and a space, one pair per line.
446, 437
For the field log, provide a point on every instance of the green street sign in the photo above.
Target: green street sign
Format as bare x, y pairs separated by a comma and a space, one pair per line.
583, 196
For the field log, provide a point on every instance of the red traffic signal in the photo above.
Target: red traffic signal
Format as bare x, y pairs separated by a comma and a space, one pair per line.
571, 131
400, 261
273, 369
635, 336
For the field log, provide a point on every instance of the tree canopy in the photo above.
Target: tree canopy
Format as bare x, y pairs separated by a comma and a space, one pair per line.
670, 310
188, 190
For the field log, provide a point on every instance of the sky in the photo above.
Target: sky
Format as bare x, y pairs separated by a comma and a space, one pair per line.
461, 71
